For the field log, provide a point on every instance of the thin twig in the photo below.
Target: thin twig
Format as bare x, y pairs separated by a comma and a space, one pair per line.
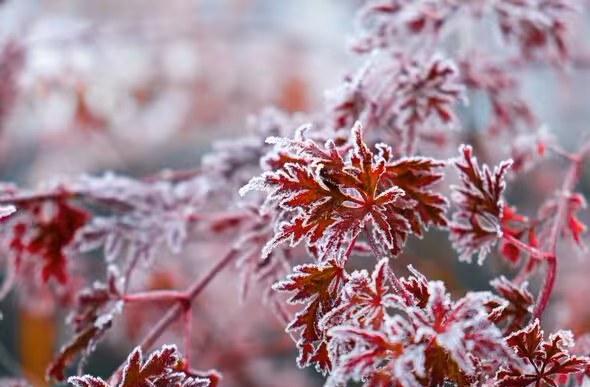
175, 311
155, 295
534, 252
193, 291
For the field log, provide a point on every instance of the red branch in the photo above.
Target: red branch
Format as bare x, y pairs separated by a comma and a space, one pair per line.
571, 179
155, 295
177, 310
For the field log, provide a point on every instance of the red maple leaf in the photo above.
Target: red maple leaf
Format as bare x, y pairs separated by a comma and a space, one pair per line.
546, 359
338, 191
363, 299
53, 229
318, 286
164, 368
476, 224
433, 341
417, 286
415, 175
515, 308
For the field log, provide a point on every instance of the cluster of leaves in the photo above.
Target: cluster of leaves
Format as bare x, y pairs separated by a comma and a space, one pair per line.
346, 327
366, 328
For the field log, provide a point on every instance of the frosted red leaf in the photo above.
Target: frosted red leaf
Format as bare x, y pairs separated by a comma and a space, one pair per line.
162, 369
417, 286
82, 343
425, 344
318, 287
415, 176
476, 223
461, 328
363, 299
338, 191
516, 307
546, 359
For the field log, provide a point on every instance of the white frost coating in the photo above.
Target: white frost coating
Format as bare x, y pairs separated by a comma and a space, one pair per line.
279, 141
103, 320
255, 184
6, 211
411, 360
87, 381
269, 246
287, 142
452, 340
567, 339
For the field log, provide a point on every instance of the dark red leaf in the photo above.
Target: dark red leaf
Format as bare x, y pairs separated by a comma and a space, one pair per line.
549, 358
83, 341
164, 368
363, 299
476, 224
515, 310
317, 286
332, 196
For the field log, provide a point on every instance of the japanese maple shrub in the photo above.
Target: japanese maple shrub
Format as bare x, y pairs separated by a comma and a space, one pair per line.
303, 200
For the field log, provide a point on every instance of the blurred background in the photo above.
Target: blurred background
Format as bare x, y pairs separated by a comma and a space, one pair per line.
138, 86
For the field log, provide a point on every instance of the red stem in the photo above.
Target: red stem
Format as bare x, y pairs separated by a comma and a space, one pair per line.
571, 179
545, 293
187, 325
155, 295
535, 253
193, 291
175, 311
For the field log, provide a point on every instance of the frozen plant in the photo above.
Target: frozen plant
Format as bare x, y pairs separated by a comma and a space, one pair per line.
303, 202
